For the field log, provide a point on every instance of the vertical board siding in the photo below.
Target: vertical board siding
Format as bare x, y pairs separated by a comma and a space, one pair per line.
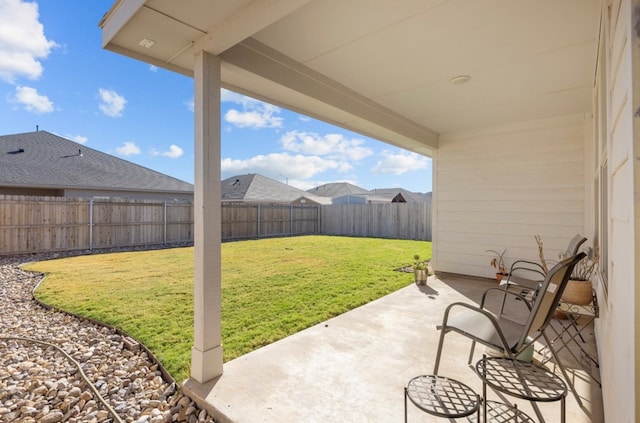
497, 188
47, 224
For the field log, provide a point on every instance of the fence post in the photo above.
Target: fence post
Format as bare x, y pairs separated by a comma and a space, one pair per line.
164, 235
290, 219
91, 224
258, 222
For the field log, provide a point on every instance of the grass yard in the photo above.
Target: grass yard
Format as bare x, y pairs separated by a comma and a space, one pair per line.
271, 288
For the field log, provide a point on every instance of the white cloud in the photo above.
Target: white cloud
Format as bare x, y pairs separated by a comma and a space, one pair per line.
190, 105
79, 139
253, 113
22, 41
262, 117
153, 68
174, 152
111, 103
32, 101
230, 96
128, 149
331, 145
276, 164
401, 162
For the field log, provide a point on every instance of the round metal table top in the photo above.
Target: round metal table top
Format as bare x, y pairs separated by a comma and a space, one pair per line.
442, 397
520, 379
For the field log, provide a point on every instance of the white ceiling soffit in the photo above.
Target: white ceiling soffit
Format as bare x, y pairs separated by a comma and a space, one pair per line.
380, 67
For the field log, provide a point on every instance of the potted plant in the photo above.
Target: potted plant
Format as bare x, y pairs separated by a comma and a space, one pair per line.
497, 262
420, 270
579, 289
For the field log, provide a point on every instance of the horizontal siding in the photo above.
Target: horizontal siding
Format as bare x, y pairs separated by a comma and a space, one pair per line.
618, 353
497, 188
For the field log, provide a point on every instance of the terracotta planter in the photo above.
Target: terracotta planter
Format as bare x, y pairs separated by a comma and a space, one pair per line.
578, 292
499, 276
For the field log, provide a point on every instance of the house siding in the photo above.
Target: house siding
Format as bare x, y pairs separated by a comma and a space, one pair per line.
617, 329
140, 195
499, 187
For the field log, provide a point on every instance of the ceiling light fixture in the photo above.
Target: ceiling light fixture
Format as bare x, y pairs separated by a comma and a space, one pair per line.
460, 79
146, 43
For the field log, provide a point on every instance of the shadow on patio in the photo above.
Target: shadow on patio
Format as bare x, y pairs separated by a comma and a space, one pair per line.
354, 367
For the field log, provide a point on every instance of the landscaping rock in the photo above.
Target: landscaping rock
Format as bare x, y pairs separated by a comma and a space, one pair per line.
38, 382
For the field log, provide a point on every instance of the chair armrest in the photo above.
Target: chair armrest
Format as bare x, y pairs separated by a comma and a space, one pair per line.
504, 292
485, 313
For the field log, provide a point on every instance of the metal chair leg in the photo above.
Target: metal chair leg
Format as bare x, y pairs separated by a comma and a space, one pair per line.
473, 347
440, 343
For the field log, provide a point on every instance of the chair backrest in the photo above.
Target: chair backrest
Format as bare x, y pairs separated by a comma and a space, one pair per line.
574, 245
549, 296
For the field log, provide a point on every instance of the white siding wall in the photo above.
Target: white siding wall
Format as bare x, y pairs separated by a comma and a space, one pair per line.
617, 328
497, 188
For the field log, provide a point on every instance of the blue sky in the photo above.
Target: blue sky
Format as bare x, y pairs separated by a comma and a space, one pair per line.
54, 74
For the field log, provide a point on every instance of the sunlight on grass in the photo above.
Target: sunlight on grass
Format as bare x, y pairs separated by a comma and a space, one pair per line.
271, 288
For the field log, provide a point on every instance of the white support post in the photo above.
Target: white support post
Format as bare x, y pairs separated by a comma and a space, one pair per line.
206, 353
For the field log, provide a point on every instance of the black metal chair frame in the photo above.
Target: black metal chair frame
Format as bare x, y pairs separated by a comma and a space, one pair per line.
496, 331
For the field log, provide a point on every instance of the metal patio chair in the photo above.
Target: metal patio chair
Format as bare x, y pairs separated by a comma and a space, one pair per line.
512, 336
533, 270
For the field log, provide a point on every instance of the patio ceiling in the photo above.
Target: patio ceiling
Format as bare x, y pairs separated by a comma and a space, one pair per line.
380, 67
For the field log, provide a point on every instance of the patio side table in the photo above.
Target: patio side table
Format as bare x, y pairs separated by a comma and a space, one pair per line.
573, 329
521, 380
441, 396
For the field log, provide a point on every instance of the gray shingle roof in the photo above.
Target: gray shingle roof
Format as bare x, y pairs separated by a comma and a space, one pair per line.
409, 196
258, 188
42, 159
337, 189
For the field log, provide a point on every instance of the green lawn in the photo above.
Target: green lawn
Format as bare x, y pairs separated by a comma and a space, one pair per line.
271, 288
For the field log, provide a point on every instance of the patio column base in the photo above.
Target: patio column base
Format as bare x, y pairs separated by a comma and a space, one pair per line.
206, 365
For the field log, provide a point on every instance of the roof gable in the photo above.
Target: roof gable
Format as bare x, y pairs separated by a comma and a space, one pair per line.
402, 195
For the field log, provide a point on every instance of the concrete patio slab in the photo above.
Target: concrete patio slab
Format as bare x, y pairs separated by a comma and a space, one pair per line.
354, 367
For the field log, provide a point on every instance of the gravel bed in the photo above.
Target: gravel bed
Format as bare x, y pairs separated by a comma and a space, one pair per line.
55, 367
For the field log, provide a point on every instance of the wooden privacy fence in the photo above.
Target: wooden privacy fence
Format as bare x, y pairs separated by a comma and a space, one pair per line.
44, 224
248, 221
379, 220
47, 224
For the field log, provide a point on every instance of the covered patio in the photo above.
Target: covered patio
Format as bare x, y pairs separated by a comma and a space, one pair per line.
353, 368
529, 111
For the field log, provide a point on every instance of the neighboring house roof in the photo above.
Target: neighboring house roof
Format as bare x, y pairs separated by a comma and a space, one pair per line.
44, 160
359, 199
402, 195
257, 188
338, 189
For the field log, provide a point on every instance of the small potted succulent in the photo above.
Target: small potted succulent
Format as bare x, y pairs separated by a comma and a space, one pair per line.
420, 270
497, 262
